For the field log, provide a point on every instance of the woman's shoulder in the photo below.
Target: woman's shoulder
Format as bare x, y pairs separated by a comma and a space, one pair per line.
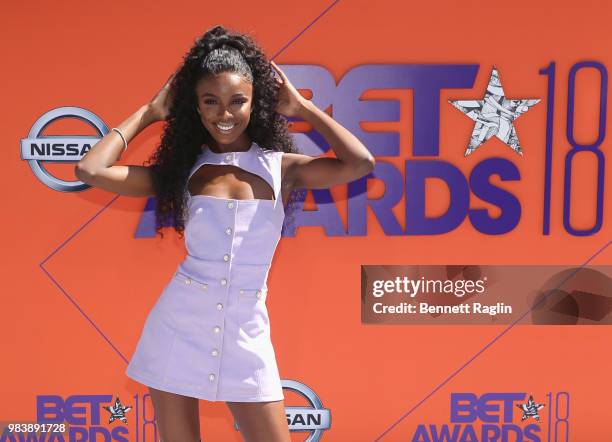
272, 152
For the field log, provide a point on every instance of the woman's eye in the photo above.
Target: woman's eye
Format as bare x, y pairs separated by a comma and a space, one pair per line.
210, 101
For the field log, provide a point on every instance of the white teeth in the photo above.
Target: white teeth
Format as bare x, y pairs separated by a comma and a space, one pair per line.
225, 127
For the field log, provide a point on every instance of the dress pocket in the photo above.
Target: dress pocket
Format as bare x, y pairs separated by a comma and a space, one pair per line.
252, 311
187, 302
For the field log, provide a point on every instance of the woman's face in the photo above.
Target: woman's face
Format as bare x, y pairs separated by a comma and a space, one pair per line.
224, 103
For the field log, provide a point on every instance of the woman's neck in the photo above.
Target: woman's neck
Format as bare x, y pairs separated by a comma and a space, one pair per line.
241, 144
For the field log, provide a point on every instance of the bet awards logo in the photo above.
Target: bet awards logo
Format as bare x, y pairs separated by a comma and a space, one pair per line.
493, 116
492, 417
76, 418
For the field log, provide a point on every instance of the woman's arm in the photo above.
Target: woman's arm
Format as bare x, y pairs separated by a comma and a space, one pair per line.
97, 169
352, 160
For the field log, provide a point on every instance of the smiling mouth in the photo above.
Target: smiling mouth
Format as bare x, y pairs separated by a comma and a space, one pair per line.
225, 128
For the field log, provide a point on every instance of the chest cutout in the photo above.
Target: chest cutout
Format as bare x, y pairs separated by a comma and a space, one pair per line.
228, 181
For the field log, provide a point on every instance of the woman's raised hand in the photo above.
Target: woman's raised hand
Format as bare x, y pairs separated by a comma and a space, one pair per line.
290, 101
159, 106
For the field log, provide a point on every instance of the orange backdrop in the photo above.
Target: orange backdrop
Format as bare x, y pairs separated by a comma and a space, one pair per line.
78, 284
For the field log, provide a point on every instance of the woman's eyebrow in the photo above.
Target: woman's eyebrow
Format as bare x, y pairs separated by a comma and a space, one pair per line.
208, 94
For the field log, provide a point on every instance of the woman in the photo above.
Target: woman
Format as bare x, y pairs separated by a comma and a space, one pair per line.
223, 173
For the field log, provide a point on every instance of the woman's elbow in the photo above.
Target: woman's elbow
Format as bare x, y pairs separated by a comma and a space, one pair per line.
83, 174
367, 165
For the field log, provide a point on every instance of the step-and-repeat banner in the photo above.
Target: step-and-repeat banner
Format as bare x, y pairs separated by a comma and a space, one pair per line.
462, 291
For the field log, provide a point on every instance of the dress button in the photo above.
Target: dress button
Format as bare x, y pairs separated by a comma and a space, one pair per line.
204, 286
211, 377
217, 329
258, 294
228, 231
223, 281
230, 204
241, 292
215, 352
219, 306
188, 281
199, 210
228, 156
226, 257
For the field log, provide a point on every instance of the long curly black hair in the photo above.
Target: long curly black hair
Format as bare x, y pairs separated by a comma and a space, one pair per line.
184, 133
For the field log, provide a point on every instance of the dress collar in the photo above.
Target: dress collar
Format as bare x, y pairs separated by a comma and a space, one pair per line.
206, 150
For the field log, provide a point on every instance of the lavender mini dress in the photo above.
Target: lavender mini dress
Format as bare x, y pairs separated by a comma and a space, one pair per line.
208, 334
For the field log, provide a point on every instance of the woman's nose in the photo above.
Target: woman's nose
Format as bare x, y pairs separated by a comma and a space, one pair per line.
225, 114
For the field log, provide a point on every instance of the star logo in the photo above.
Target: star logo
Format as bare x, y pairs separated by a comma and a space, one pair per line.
117, 411
494, 115
530, 409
